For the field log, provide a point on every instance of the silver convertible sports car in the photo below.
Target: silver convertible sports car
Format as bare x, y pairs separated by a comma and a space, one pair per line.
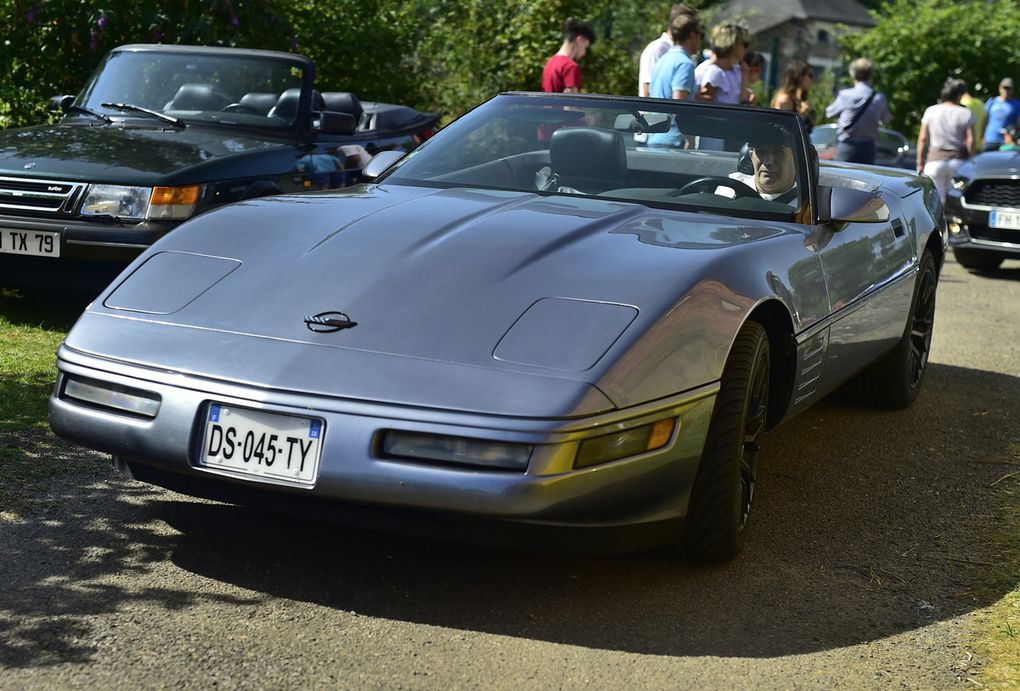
563, 312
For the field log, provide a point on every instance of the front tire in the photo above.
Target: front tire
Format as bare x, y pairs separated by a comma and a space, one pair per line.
977, 260
723, 490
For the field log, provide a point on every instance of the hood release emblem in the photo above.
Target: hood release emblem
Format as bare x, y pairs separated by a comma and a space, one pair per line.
328, 322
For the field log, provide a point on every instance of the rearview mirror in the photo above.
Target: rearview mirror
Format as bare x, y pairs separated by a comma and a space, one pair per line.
642, 123
380, 162
845, 205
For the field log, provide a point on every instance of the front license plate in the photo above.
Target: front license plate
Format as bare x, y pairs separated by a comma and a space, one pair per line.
38, 243
262, 446
1004, 219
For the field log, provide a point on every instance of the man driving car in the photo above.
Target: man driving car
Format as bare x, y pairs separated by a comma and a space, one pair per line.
774, 172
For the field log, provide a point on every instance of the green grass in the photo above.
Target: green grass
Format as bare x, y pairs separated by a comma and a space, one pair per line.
999, 629
30, 332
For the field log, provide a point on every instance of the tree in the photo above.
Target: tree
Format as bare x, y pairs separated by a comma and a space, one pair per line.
918, 44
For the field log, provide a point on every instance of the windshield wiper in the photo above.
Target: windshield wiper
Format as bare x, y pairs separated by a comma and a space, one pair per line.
86, 111
176, 122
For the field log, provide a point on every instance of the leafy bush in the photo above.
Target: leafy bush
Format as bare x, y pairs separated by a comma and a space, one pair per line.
917, 44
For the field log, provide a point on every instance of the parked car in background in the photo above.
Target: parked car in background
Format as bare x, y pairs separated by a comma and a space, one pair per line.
162, 133
533, 318
891, 148
983, 210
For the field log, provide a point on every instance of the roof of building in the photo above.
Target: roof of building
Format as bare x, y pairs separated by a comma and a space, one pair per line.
761, 15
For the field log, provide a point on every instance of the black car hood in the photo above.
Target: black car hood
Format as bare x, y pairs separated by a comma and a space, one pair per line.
996, 163
126, 154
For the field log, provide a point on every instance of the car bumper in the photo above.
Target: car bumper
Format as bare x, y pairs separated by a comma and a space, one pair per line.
648, 491
91, 255
969, 229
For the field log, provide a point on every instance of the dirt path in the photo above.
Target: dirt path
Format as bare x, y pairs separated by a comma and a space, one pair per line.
865, 567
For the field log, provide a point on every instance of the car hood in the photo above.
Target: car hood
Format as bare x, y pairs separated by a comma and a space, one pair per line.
556, 287
993, 163
118, 153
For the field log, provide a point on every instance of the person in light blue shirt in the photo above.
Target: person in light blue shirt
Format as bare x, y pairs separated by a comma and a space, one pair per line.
673, 76
1003, 110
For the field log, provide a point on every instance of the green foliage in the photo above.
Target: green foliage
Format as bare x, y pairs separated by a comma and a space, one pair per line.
917, 44
430, 54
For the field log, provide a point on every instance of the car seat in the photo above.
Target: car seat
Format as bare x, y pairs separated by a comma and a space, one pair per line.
197, 97
287, 105
260, 103
588, 159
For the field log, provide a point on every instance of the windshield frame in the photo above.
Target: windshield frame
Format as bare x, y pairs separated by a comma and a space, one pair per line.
302, 121
476, 118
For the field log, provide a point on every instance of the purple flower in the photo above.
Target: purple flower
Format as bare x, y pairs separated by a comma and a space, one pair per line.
293, 41
32, 13
157, 34
234, 21
94, 41
101, 22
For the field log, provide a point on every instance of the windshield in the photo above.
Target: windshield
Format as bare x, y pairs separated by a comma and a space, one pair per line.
247, 90
740, 161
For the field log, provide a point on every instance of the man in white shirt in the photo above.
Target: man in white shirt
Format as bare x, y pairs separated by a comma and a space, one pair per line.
659, 47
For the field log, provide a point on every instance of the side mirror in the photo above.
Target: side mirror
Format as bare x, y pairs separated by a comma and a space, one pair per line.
846, 205
61, 103
331, 122
380, 163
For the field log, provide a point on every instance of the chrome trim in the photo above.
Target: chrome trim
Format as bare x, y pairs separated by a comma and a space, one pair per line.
64, 199
981, 207
100, 243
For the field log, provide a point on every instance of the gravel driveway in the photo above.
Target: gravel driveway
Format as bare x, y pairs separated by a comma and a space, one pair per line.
865, 566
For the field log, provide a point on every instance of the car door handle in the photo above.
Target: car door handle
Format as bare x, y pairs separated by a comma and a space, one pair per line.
897, 228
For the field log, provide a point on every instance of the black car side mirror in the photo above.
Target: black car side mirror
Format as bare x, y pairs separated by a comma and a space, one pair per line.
332, 122
61, 103
843, 205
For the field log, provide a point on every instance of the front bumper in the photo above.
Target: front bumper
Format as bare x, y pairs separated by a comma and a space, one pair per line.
969, 229
651, 489
91, 254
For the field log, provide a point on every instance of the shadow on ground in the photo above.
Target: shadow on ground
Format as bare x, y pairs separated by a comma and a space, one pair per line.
868, 524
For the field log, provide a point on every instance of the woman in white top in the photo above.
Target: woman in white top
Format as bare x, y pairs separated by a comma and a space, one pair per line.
946, 137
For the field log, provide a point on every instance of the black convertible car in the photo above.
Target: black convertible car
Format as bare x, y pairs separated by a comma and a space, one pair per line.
163, 133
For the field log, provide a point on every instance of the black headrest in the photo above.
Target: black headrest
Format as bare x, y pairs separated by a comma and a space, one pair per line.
198, 97
343, 102
258, 102
588, 152
744, 164
286, 107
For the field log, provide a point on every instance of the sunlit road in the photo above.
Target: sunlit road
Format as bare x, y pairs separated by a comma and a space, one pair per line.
863, 568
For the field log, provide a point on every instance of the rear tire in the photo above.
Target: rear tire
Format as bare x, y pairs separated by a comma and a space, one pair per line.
894, 381
977, 260
723, 490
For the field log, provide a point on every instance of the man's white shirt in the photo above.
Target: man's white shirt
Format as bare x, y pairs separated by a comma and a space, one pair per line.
650, 55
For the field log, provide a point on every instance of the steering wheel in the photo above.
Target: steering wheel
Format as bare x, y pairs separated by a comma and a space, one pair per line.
239, 108
709, 183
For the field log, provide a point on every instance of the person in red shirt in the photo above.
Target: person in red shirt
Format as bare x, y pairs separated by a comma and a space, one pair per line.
561, 72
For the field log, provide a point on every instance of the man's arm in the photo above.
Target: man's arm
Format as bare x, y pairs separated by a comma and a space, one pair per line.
922, 142
836, 107
645, 89
680, 94
572, 79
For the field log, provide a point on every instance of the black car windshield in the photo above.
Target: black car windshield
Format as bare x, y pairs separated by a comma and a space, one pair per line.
234, 89
740, 161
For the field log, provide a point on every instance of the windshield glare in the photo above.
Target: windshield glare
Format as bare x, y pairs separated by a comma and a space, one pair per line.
245, 90
746, 162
